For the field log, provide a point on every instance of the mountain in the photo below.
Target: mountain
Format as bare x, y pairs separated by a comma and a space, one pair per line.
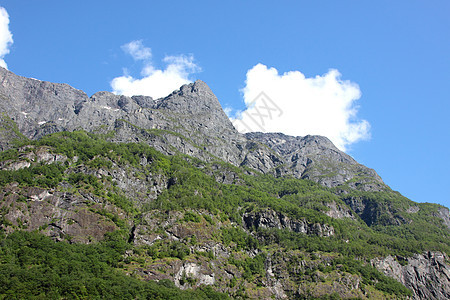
187, 201
190, 121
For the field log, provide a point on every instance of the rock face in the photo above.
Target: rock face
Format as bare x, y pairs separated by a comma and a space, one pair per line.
337, 211
63, 216
444, 214
316, 158
38, 107
195, 271
427, 275
190, 121
272, 219
41, 155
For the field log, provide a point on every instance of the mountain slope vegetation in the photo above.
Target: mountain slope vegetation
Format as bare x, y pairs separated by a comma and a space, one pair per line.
195, 218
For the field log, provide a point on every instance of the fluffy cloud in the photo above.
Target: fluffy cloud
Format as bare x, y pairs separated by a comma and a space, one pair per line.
6, 39
295, 105
155, 82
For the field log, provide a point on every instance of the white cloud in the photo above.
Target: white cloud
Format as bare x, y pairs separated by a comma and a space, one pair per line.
155, 82
6, 39
137, 50
295, 105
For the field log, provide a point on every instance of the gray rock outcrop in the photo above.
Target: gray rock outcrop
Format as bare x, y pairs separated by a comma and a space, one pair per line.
61, 215
427, 275
272, 219
317, 159
444, 214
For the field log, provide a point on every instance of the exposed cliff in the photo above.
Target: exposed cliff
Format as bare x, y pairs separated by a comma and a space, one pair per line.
316, 158
272, 219
427, 274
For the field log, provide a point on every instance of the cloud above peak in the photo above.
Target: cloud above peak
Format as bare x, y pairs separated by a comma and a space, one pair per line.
154, 82
296, 105
137, 50
6, 39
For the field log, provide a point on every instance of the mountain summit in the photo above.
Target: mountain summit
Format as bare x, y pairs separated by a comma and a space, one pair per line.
189, 120
168, 191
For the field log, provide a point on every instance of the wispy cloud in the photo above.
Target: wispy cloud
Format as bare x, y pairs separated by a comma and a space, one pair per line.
137, 50
155, 82
6, 39
296, 105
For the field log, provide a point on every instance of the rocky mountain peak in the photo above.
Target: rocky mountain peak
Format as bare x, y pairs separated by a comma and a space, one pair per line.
198, 87
193, 97
190, 120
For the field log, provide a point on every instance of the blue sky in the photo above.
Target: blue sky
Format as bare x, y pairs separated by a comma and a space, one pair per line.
386, 63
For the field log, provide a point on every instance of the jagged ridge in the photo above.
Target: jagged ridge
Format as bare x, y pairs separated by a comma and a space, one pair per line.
190, 121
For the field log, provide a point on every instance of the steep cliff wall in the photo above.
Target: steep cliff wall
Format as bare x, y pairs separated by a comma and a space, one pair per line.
427, 274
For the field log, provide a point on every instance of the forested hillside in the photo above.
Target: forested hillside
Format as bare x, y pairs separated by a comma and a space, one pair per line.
223, 226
